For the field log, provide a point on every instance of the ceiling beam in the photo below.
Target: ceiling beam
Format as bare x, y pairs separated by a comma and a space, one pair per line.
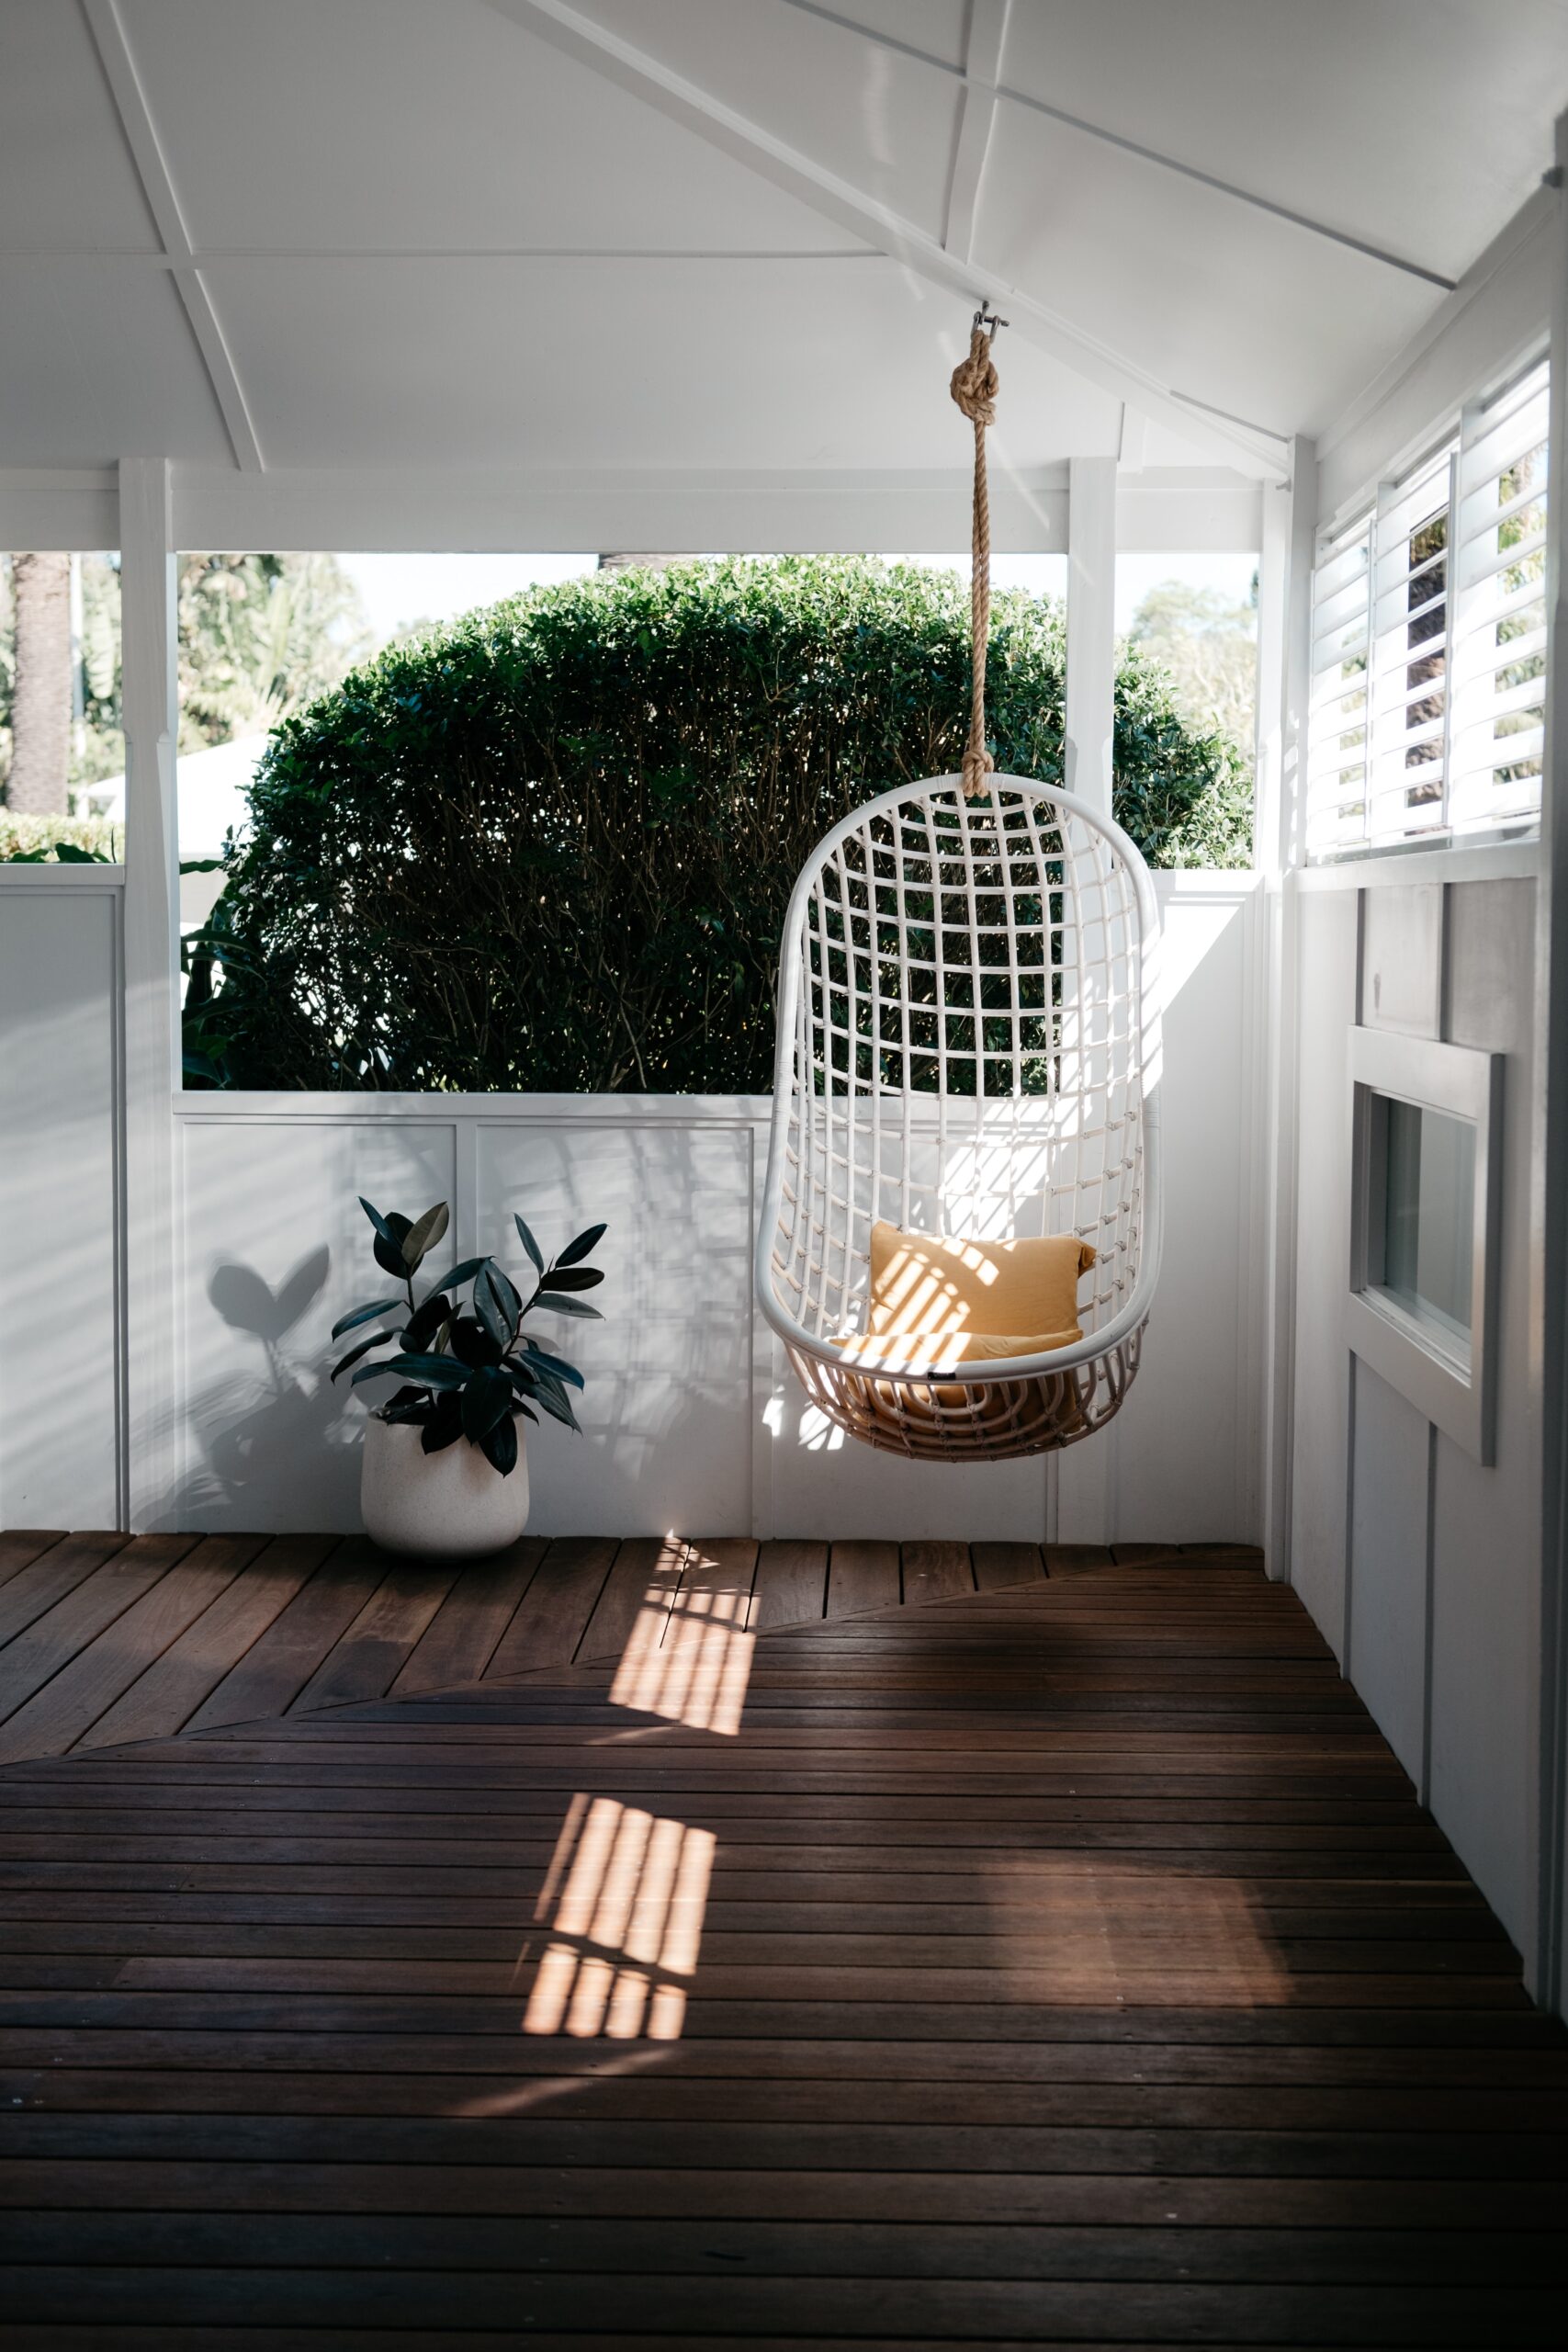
984, 38
647, 78
1154, 155
107, 30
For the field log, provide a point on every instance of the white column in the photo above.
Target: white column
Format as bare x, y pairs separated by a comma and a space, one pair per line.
1091, 628
1546, 1969
150, 696
1284, 614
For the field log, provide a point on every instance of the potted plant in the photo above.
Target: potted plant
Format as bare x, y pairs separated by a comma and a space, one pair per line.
445, 1468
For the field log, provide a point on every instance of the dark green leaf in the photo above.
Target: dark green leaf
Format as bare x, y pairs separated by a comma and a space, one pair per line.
423, 1234
500, 1444
528, 1242
563, 1371
561, 1278
488, 1308
559, 1306
464, 1271
425, 1322
581, 1246
555, 1404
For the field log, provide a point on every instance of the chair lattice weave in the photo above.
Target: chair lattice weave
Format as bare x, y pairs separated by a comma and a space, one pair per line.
969, 1047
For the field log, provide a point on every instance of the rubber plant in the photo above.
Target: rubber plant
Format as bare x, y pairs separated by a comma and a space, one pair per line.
468, 1367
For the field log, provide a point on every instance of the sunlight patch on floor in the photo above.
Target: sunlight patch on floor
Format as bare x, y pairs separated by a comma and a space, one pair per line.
627, 1924
691, 1663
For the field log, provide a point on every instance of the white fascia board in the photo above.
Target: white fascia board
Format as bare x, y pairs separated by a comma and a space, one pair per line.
709, 513
77, 511
1500, 308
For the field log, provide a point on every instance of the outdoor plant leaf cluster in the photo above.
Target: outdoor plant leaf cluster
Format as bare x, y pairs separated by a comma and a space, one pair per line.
468, 1370
550, 847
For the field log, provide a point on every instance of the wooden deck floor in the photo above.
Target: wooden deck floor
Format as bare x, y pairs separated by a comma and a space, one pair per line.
1068, 1964
110, 1638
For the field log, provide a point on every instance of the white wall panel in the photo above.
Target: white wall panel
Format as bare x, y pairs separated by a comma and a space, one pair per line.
1318, 1500
275, 1249
1179, 1463
1401, 960
59, 1204
1486, 1524
1387, 1659
667, 1414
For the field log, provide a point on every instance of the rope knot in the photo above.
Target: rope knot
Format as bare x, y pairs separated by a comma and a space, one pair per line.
977, 769
974, 384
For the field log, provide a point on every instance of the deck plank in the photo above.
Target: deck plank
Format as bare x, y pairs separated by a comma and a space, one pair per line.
460, 1641
102, 1672
935, 1572
270, 1677
635, 1600
554, 1612
999, 1566
374, 1647
791, 1585
54, 1571
93, 1604
168, 1691
862, 1576
20, 1546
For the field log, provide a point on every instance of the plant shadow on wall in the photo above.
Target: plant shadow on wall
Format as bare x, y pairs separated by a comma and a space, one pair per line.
254, 1432
550, 847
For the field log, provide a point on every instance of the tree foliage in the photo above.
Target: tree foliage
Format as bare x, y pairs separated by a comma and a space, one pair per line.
550, 847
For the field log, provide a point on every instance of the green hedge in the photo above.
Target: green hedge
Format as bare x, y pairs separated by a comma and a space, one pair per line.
551, 846
101, 837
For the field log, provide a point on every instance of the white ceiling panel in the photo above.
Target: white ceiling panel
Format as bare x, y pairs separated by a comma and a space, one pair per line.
98, 362
627, 365
1220, 303
67, 178
325, 125
936, 28
877, 118
1419, 126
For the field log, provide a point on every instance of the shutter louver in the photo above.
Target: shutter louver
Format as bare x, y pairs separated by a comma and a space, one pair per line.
1336, 738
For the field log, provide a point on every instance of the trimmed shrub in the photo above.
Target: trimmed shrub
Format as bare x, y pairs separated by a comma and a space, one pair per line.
100, 837
550, 847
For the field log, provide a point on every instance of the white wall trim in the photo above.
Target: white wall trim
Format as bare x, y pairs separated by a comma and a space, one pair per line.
1400, 869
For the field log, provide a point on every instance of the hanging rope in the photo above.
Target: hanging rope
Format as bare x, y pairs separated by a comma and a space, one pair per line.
974, 387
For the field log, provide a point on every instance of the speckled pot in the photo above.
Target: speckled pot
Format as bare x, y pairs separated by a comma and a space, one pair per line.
452, 1503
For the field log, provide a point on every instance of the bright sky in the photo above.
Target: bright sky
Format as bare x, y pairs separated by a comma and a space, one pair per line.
399, 589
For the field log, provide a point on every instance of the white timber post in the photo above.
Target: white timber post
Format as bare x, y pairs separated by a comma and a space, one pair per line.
150, 701
1091, 628
1284, 618
1548, 1976
1082, 1487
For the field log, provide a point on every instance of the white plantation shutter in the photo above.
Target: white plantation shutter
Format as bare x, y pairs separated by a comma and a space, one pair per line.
1499, 629
1336, 726
1428, 654
1409, 657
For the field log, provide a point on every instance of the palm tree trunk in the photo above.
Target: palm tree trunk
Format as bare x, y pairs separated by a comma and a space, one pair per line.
40, 702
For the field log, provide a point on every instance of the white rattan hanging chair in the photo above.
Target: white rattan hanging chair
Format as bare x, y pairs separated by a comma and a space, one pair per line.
897, 1096
968, 1048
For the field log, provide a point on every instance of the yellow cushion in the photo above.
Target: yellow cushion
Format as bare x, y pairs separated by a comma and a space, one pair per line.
935, 1350
922, 1284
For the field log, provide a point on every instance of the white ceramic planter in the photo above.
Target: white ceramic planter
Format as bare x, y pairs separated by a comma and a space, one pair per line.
452, 1503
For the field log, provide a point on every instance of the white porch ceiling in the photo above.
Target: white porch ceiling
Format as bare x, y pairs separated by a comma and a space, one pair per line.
636, 237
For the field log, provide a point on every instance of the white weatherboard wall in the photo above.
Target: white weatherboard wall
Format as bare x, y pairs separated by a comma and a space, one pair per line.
60, 1197
691, 1418
1421, 1567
